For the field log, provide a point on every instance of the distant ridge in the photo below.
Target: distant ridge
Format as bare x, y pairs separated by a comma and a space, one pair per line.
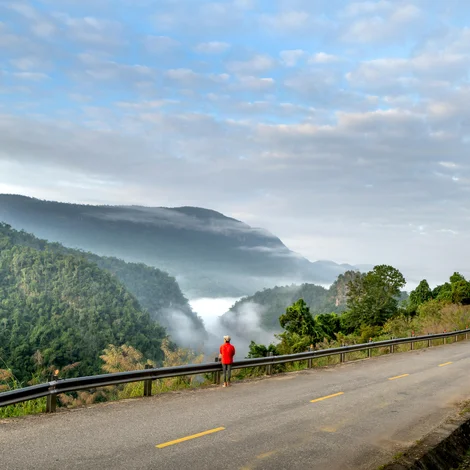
210, 254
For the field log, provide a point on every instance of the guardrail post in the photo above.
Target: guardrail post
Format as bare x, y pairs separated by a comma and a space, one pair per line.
466, 334
369, 351
341, 355
269, 367
51, 401
429, 342
444, 340
217, 373
309, 360
148, 384
392, 349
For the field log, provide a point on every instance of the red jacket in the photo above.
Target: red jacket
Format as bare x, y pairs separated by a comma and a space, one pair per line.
227, 351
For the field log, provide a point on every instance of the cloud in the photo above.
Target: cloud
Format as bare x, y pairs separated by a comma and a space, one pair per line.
291, 57
257, 64
287, 21
35, 76
254, 83
212, 47
100, 68
381, 21
323, 58
92, 31
161, 44
40, 24
189, 78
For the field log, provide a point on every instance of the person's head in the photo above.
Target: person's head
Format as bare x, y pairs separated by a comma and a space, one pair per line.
227, 339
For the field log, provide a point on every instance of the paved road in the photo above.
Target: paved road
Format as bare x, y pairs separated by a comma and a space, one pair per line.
267, 424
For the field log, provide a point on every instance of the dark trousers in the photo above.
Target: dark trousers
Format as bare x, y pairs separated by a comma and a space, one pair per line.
227, 368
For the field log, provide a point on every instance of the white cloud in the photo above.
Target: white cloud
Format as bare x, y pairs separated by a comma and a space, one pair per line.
323, 58
393, 24
161, 44
257, 64
27, 63
290, 58
35, 76
286, 21
248, 82
369, 7
212, 47
92, 31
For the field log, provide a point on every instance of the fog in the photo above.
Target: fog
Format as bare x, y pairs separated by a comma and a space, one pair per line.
244, 327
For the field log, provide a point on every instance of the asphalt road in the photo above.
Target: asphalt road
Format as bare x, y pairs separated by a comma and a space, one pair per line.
264, 424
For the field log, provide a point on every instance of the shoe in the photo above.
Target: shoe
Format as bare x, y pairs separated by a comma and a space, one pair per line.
224, 385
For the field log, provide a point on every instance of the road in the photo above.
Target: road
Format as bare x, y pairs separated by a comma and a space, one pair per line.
369, 410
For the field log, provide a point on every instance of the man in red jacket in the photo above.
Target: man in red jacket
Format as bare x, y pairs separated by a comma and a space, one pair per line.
227, 351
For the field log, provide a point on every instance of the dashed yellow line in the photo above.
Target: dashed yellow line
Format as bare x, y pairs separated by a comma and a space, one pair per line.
187, 438
328, 396
399, 376
445, 364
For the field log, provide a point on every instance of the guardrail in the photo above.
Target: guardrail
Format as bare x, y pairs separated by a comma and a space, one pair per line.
56, 386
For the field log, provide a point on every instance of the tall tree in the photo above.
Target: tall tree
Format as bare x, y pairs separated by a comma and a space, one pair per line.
373, 297
419, 296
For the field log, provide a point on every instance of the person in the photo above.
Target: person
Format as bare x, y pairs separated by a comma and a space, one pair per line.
227, 351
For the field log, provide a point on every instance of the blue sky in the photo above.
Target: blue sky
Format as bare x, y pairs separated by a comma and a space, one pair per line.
343, 127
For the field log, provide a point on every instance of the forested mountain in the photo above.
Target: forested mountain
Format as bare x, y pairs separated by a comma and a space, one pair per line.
209, 254
59, 310
155, 290
268, 305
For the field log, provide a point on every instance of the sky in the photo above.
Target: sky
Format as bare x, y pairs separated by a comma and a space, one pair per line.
341, 127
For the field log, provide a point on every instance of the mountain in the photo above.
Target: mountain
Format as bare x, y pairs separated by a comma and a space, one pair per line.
255, 316
209, 254
59, 310
155, 290
263, 309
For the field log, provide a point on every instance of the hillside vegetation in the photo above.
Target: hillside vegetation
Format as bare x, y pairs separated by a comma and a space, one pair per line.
60, 310
156, 291
268, 304
374, 309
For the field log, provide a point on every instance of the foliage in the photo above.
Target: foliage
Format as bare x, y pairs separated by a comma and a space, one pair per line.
260, 350
271, 302
156, 291
67, 309
419, 296
178, 357
373, 297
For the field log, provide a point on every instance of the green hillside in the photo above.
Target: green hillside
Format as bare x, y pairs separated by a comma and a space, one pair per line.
267, 305
58, 309
156, 291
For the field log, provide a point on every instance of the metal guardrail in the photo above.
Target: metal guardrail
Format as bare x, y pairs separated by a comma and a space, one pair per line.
57, 386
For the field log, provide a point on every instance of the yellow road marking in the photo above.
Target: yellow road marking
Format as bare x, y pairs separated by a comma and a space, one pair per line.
187, 438
398, 376
329, 429
266, 455
328, 396
445, 364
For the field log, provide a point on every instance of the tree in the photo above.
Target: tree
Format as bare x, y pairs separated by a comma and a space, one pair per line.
260, 350
329, 324
419, 296
298, 320
456, 291
301, 329
373, 298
